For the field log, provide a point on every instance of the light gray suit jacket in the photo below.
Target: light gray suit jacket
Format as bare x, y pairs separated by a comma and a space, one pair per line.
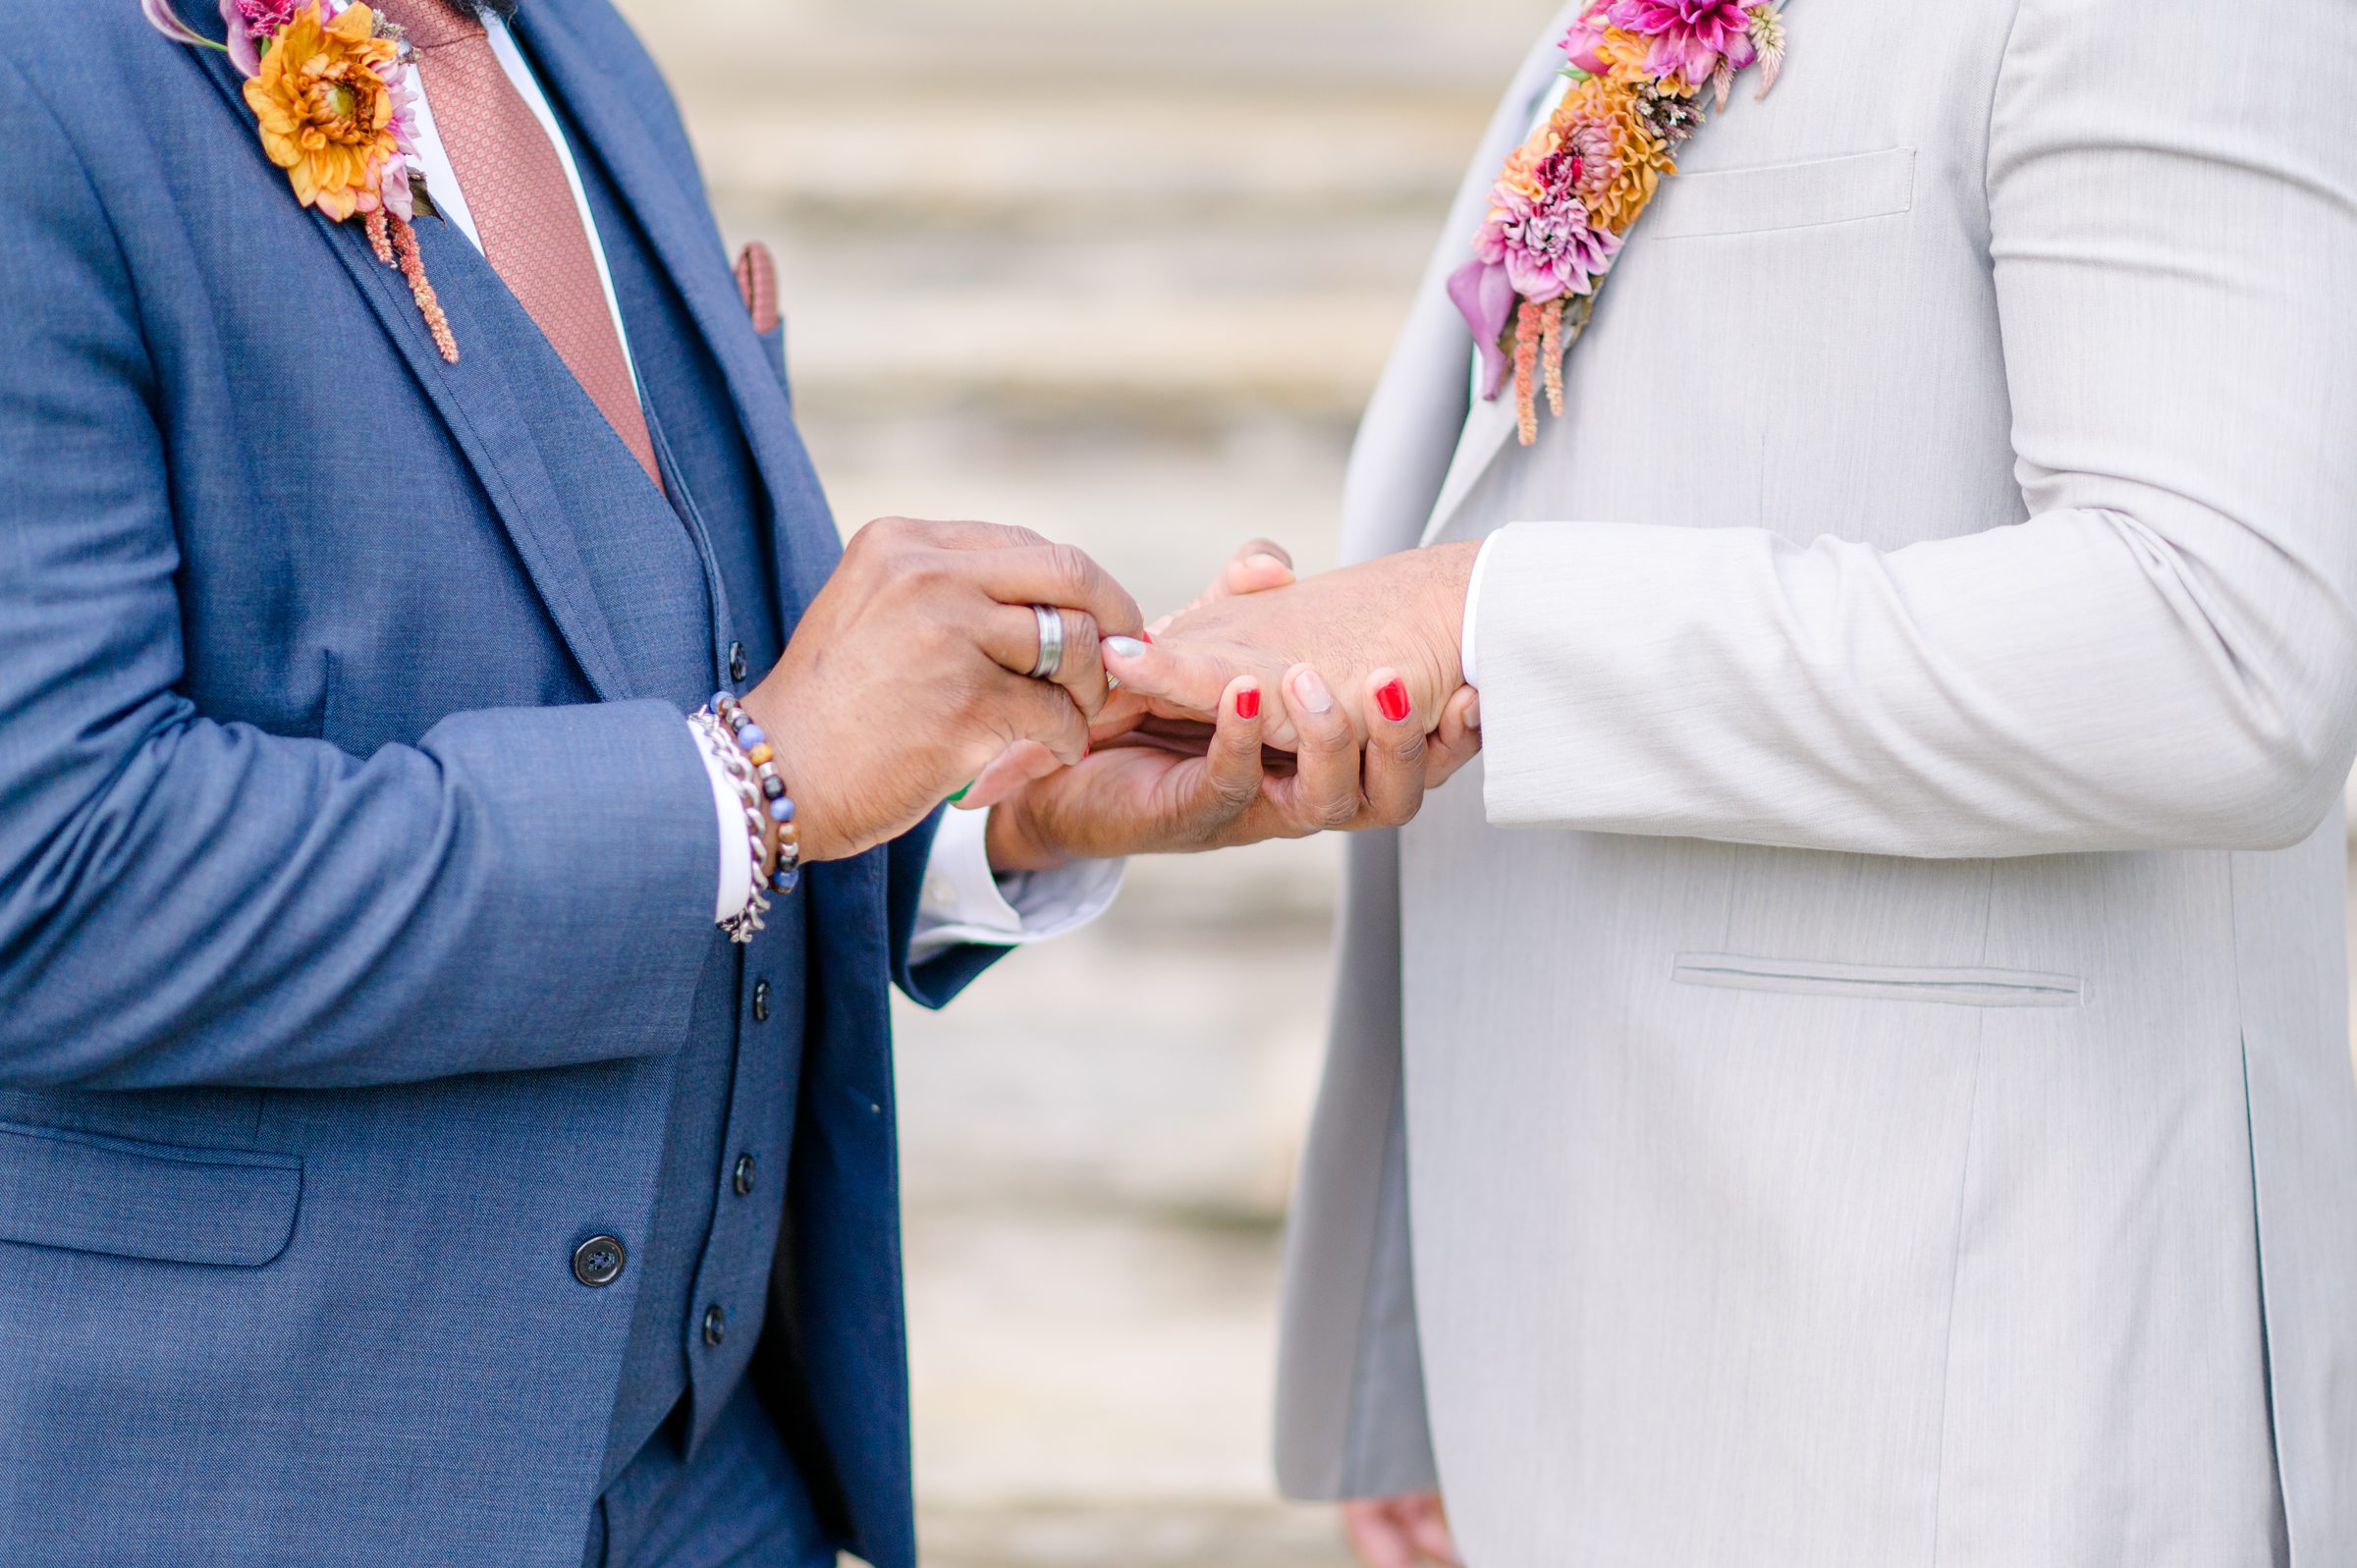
1872, 1036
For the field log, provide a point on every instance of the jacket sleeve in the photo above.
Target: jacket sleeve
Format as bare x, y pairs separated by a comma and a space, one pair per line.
2163, 656
1350, 1413
938, 981
185, 901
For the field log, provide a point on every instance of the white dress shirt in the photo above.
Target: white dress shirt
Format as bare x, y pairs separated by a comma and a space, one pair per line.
962, 901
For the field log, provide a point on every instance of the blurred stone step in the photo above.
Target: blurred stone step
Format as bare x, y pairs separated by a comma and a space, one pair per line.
931, 161
1209, 1534
1032, 355
734, 48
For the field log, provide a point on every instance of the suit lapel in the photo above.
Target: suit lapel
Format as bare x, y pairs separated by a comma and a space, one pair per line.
1486, 424
680, 229
480, 408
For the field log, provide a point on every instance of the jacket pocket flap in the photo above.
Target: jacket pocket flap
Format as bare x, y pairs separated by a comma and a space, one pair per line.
228, 1207
1783, 196
1961, 988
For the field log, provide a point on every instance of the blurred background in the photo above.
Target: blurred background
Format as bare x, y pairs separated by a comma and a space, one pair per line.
1124, 273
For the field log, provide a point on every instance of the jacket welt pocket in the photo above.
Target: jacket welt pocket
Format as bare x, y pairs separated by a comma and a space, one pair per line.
1785, 195
1960, 988
228, 1208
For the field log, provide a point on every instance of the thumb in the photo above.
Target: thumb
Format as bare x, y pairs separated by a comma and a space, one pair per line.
1188, 678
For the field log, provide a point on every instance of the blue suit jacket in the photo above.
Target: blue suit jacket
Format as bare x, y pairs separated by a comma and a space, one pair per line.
353, 886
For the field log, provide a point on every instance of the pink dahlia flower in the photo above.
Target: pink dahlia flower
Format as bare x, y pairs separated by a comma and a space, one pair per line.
1690, 37
1548, 248
393, 181
1588, 31
248, 21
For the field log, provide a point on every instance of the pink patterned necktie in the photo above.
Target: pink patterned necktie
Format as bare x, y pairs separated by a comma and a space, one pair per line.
522, 206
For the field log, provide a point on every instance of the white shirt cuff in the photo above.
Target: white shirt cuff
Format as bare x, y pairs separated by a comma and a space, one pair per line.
735, 845
964, 901
1465, 656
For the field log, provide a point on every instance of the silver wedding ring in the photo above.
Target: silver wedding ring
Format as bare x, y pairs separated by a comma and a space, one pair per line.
1051, 643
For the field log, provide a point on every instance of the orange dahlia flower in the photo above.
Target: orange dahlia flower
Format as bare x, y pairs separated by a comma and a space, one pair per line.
325, 109
1624, 55
1625, 161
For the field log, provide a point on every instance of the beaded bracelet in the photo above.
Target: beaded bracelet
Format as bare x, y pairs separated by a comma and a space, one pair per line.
786, 870
728, 757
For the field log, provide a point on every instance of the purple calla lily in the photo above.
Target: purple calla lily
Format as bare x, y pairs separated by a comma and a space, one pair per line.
1484, 293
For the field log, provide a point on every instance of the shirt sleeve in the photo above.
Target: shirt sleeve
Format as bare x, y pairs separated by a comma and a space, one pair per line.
1465, 659
736, 886
965, 901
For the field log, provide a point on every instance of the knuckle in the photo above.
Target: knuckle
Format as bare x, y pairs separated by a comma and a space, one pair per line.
1070, 564
1335, 811
1234, 792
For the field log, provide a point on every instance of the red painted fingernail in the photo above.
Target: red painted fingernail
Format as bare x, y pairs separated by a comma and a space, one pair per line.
1247, 703
1149, 636
1392, 700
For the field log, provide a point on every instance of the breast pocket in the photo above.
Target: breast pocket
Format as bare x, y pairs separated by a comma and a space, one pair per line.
1958, 987
1783, 196
232, 1208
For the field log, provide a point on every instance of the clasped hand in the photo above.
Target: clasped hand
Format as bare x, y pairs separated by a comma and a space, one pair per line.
1269, 709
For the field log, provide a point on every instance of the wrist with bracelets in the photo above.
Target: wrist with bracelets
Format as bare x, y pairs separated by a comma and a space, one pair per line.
745, 755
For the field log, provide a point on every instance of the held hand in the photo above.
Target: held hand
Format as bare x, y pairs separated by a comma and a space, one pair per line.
1404, 612
1170, 789
1400, 1532
909, 672
1257, 567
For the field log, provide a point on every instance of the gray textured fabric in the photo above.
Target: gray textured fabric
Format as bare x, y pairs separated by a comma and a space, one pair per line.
1889, 1102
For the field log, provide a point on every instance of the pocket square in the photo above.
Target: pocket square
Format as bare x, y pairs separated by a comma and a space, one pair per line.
757, 282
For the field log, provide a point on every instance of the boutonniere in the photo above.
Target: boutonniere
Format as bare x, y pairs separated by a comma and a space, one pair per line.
1558, 212
333, 87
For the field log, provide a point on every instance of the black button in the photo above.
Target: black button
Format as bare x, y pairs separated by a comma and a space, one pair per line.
742, 1180
736, 660
716, 1326
598, 1261
760, 1002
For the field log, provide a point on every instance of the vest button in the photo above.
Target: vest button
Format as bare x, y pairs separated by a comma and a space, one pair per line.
736, 660
760, 1002
716, 1326
744, 1178
598, 1261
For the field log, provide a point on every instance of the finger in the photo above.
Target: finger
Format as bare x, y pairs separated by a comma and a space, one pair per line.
1056, 575
1011, 635
1025, 762
1232, 772
953, 534
1188, 679
1035, 710
1394, 767
1258, 568
1323, 793
1375, 1537
1457, 741
1081, 669
1428, 1527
